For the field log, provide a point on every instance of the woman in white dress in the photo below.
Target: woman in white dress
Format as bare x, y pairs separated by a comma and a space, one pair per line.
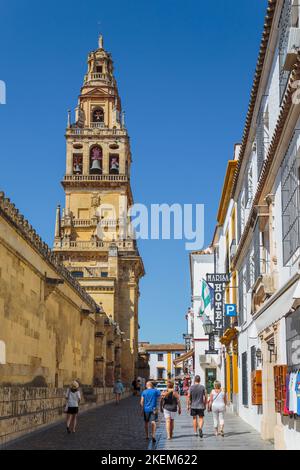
217, 404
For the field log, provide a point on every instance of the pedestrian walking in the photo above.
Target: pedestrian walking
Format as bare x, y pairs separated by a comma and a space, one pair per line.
217, 404
134, 386
138, 386
149, 408
73, 398
118, 390
170, 405
197, 399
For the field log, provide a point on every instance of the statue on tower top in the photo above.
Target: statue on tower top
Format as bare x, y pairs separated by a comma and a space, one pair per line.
100, 41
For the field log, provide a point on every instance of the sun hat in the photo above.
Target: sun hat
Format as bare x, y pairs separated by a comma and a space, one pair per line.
74, 384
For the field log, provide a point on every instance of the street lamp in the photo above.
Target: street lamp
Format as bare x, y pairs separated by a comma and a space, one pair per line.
208, 326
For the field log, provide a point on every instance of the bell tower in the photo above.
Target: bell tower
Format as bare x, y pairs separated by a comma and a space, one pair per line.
90, 233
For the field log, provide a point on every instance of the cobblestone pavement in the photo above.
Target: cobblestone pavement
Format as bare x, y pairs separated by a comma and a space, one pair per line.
112, 427
238, 435
108, 427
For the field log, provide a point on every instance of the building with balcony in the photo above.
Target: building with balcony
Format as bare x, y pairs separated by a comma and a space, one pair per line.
266, 192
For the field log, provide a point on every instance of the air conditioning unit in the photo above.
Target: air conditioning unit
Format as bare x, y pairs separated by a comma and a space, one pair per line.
205, 359
292, 48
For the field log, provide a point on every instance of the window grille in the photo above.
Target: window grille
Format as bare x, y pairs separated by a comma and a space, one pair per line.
248, 275
249, 187
242, 297
262, 134
290, 192
256, 252
239, 218
253, 358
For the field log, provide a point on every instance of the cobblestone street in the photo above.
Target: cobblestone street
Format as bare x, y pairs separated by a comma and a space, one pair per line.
108, 427
116, 428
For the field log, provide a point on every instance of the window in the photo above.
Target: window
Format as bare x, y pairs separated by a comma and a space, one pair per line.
113, 164
96, 160
256, 252
240, 215
77, 163
262, 134
160, 357
293, 339
253, 358
242, 297
99, 68
290, 195
289, 19
160, 374
77, 273
178, 371
104, 274
98, 115
249, 187
244, 379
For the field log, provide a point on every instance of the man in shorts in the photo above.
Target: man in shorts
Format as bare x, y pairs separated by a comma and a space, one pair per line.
149, 407
197, 399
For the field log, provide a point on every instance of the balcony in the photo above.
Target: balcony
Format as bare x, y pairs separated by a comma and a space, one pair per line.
264, 288
293, 47
90, 180
98, 125
94, 130
91, 245
99, 76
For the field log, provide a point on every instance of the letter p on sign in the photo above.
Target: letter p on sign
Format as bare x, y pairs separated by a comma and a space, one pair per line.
230, 310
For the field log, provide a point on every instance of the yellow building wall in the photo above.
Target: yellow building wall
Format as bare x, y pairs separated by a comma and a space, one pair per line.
44, 334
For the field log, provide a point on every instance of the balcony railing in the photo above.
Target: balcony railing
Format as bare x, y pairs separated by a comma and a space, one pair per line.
97, 130
99, 76
98, 125
122, 245
89, 178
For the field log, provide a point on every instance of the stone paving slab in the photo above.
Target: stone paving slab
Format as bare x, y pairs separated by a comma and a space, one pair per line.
238, 435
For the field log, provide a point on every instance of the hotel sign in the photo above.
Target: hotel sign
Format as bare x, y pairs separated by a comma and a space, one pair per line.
219, 281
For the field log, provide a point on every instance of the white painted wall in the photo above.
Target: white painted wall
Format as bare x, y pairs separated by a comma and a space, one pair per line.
200, 266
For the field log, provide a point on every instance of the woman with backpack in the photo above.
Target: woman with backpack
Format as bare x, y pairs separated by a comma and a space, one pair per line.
170, 405
73, 398
217, 404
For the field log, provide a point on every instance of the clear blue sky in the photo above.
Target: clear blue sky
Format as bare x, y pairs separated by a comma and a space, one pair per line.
184, 70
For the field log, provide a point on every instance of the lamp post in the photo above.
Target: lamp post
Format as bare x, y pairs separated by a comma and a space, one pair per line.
209, 328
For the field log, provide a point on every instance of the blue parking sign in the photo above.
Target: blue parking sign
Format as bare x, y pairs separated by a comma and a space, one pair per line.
230, 310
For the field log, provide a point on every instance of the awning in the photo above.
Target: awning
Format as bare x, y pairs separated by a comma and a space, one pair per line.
183, 357
278, 305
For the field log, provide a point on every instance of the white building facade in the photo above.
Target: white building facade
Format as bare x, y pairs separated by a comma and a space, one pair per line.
208, 366
161, 360
266, 192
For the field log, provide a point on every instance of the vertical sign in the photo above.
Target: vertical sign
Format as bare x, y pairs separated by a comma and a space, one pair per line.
219, 281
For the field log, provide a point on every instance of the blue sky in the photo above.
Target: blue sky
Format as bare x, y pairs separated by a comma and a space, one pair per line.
184, 71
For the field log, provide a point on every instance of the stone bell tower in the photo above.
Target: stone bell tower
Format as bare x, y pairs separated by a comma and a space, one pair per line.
90, 233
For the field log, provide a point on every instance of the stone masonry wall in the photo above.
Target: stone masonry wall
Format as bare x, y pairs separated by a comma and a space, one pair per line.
26, 409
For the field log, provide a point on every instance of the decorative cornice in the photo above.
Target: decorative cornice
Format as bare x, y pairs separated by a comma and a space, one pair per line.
257, 78
284, 111
13, 216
